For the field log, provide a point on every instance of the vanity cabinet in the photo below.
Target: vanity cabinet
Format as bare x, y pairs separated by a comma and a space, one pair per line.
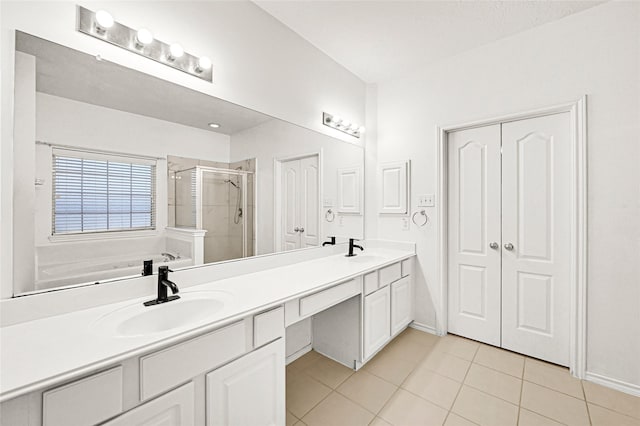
249, 391
401, 305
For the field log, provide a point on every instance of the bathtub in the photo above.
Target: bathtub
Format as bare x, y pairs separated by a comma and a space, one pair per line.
99, 270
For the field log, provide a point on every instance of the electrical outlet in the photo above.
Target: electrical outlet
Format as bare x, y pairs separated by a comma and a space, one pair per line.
426, 200
340, 221
405, 223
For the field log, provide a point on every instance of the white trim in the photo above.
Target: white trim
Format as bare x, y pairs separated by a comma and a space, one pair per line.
277, 196
103, 235
619, 385
578, 326
424, 327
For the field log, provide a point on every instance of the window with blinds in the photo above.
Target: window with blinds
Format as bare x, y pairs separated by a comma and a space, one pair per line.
99, 193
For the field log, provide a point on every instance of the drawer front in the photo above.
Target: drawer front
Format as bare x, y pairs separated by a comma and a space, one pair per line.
390, 274
407, 267
87, 401
268, 326
370, 282
170, 367
319, 301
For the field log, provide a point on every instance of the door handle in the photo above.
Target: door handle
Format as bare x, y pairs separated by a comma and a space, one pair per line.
494, 245
301, 230
296, 229
508, 246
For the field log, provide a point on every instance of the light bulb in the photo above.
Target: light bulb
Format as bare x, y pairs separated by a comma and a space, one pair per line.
175, 51
354, 127
345, 124
104, 21
361, 130
204, 64
214, 125
144, 37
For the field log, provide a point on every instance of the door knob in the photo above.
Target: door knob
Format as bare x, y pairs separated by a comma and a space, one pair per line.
494, 245
301, 229
508, 246
296, 229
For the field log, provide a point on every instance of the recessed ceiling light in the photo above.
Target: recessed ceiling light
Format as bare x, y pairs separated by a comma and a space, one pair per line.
214, 125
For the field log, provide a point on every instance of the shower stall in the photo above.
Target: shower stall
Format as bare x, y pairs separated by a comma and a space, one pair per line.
221, 202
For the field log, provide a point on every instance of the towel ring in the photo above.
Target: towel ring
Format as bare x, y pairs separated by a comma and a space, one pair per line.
329, 216
422, 223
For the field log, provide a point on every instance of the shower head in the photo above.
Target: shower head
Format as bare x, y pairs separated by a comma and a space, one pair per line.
232, 183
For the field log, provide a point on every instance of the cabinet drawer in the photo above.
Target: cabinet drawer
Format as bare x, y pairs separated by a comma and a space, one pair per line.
370, 282
319, 301
407, 267
165, 369
87, 401
390, 274
268, 326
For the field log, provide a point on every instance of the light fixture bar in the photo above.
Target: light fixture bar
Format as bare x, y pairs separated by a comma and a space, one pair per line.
128, 38
341, 124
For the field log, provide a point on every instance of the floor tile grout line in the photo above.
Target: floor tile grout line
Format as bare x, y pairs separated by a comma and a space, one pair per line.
495, 396
585, 402
553, 389
521, 391
458, 393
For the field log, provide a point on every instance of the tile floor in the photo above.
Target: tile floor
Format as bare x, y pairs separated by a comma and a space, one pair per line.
422, 379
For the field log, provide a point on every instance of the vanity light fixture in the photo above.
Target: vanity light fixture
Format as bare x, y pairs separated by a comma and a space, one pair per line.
143, 38
214, 125
104, 21
101, 25
343, 125
175, 51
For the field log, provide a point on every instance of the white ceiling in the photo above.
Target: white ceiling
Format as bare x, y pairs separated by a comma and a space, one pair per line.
379, 40
68, 73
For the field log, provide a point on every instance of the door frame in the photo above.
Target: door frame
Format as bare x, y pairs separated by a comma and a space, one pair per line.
578, 280
277, 195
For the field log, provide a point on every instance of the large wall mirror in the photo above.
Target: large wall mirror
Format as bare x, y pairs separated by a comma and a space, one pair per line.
114, 167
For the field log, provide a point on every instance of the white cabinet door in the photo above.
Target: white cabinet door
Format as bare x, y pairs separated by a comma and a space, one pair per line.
394, 187
377, 321
173, 408
474, 233
249, 391
349, 196
401, 304
536, 236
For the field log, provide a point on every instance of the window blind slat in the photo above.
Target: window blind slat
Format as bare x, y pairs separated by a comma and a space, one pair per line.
95, 195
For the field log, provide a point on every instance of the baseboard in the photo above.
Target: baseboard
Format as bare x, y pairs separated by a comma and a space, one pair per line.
298, 353
616, 384
424, 327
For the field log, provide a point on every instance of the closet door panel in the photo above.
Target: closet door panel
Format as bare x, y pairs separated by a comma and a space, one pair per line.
310, 209
536, 233
474, 223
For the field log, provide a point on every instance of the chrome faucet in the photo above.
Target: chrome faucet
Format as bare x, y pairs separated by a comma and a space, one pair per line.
163, 283
352, 246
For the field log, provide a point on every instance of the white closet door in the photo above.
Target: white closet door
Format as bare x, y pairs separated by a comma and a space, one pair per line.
474, 224
310, 209
536, 235
291, 192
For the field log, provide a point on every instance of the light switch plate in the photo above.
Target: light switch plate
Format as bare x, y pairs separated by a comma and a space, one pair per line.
328, 202
405, 223
340, 220
426, 200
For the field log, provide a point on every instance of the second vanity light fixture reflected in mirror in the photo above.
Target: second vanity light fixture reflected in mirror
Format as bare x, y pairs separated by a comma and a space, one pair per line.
339, 123
102, 25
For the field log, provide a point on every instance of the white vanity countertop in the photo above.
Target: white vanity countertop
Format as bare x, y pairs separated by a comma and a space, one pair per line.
40, 353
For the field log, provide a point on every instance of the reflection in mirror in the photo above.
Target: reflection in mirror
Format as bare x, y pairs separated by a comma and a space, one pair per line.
127, 167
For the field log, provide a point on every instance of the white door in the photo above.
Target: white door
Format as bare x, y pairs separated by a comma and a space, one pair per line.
290, 190
377, 321
300, 190
474, 233
401, 304
249, 391
173, 408
536, 232
309, 208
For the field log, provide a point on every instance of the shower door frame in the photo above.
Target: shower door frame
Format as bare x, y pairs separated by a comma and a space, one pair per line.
199, 195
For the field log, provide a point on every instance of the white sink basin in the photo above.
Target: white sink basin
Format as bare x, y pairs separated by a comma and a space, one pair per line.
365, 258
191, 309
